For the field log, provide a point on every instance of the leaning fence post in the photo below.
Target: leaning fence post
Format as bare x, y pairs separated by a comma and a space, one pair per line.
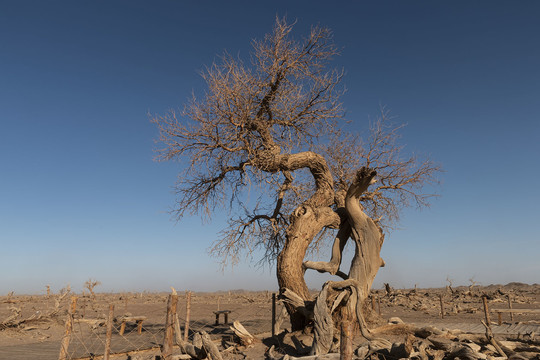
168, 339
188, 312
486, 310
68, 328
109, 333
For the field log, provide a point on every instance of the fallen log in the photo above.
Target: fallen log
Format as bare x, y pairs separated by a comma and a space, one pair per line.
332, 356
465, 352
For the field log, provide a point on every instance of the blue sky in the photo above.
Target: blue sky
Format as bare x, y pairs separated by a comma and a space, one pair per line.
80, 196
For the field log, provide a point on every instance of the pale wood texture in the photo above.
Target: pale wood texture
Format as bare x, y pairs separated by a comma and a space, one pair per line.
168, 339
365, 264
108, 335
346, 336
510, 307
245, 337
68, 328
212, 350
323, 326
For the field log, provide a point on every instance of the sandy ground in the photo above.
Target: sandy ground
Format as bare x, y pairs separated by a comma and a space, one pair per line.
461, 305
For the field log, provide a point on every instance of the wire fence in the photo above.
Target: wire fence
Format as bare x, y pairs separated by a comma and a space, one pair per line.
138, 322
138, 325
89, 338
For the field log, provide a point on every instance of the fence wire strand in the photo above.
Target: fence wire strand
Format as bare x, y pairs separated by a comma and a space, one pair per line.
88, 337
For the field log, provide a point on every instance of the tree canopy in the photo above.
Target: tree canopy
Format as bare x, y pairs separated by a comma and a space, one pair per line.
266, 142
271, 128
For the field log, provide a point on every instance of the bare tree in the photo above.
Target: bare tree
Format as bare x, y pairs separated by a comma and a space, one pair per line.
450, 284
270, 129
90, 285
472, 285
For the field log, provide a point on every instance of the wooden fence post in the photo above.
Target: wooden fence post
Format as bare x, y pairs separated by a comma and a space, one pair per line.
510, 307
273, 314
168, 340
109, 333
188, 312
68, 328
486, 310
442, 306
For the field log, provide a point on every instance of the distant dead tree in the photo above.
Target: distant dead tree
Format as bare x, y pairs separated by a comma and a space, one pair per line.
265, 142
388, 289
65, 290
472, 285
450, 283
90, 285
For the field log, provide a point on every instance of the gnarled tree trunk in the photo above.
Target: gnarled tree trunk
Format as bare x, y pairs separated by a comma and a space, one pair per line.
366, 262
291, 276
306, 222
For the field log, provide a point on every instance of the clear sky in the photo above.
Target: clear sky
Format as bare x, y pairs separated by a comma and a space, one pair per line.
80, 195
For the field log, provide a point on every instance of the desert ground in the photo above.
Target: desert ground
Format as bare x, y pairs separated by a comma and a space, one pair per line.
407, 323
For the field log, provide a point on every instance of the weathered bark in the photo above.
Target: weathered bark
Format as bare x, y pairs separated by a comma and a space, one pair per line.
68, 329
306, 222
279, 321
293, 300
290, 275
168, 339
323, 327
366, 262
211, 349
333, 265
491, 338
346, 337
289, 262
108, 336
366, 234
